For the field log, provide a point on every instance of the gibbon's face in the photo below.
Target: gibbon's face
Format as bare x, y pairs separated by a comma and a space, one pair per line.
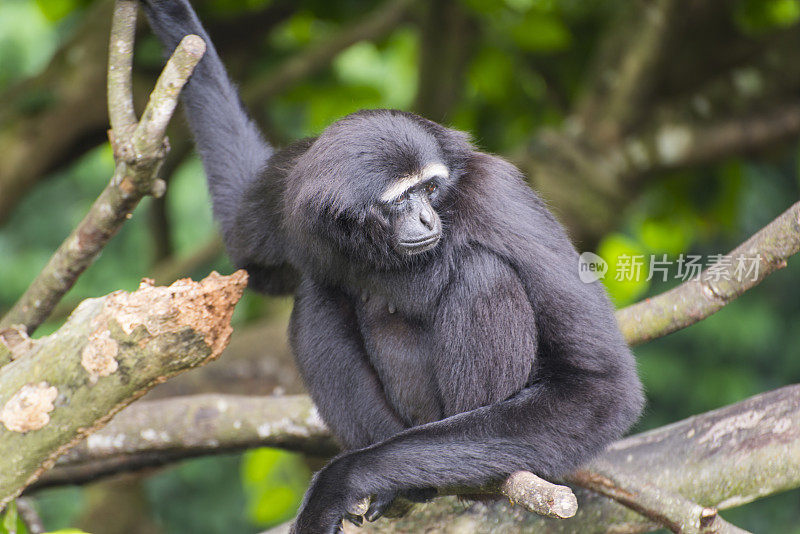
408, 205
378, 185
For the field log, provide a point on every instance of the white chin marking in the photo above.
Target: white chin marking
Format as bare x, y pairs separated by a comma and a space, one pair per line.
407, 182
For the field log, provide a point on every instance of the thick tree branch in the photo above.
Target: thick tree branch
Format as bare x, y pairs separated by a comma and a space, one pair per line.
257, 361
138, 154
152, 433
720, 459
676, 513
692, 301
109, 353
156, 432
677, 145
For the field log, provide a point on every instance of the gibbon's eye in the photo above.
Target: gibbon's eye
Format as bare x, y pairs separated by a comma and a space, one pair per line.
431, 188
402, 198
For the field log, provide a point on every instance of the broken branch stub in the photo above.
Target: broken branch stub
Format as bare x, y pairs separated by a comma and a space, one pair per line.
540, 496
110, 351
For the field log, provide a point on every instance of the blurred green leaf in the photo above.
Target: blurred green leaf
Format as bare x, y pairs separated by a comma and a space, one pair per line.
491, 73
55, 10
521, 5
661, 370
298, 31
9, 524
200, 496
12, 523
759, 16
274, 482
540, 32
726, 205
188, 202
390, 69
626, 279
228, 7
668, 236
27, 40
59, 508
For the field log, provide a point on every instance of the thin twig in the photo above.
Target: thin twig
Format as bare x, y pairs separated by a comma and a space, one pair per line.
164, 97
120, 66
29, 516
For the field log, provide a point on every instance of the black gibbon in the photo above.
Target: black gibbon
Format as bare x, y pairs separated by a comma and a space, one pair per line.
439, 321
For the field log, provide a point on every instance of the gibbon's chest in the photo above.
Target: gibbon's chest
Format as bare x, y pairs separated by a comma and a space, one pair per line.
401, 352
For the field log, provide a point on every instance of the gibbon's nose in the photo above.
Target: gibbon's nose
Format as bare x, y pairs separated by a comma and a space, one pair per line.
426, 218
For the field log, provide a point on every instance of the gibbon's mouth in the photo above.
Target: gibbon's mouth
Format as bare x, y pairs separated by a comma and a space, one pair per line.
421, 245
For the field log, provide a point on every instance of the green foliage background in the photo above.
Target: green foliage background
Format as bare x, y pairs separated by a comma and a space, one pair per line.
525, 50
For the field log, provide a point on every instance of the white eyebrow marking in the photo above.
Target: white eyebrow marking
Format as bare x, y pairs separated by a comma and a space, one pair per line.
405, 183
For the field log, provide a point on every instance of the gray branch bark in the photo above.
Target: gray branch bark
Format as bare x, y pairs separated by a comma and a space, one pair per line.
721, 459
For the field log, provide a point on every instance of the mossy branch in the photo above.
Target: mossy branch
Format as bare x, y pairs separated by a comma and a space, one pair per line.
720, 459
111, 351
768, 250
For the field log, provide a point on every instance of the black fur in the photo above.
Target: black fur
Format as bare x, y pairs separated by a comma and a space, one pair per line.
454, 366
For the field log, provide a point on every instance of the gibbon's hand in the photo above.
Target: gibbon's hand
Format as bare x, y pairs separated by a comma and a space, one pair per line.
328, 499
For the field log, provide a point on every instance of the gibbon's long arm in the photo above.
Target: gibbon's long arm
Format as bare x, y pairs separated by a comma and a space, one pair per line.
245, 175
230, 144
